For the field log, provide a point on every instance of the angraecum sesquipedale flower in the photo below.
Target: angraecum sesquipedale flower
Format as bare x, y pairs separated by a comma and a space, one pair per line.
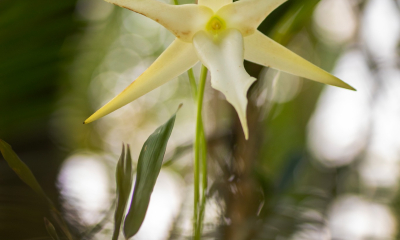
220, 34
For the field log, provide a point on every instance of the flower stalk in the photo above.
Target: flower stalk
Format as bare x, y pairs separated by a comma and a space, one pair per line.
200, 160
193, 86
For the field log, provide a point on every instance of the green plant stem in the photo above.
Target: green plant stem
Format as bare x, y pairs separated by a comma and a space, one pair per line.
203, 145
199, 150
201, 218
193, 85
176, 2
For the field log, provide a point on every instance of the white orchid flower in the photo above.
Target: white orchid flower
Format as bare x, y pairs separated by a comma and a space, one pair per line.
220, 34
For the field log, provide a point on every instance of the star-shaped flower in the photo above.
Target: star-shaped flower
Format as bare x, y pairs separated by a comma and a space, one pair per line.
220, 34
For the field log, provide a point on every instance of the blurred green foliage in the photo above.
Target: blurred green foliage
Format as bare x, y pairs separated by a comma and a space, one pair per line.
31, 37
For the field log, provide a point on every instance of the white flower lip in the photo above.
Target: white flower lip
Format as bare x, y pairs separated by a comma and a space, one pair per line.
220, 34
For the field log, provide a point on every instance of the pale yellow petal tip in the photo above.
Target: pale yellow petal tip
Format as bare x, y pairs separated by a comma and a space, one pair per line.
246, 134
337, 82
352, 89
89, 120
346, 86
245, 127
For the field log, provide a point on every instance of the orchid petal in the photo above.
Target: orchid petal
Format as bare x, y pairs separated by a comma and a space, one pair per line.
214, 4
247, 15
264, 51
182, 20
223, 56
175, 60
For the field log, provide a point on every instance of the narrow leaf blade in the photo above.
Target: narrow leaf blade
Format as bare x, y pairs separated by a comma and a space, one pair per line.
21, 169
127, 178
26, 175
149, 166
51, 230
121, 202
124, 184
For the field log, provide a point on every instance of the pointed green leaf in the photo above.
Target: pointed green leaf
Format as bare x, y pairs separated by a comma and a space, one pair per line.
60, 221
127, 177
26, 175
51, 230
124, 183
149, 166
21, 169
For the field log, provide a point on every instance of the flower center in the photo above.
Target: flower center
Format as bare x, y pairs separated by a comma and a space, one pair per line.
215, 25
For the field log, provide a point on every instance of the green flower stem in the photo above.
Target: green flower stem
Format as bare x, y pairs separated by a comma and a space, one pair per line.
199, 150
204, 161
201, 218
193, 85
203, 153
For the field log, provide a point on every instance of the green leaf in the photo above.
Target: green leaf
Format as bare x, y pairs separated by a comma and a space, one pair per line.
124, 183
149, 166
51, 230
21, 169
26, 175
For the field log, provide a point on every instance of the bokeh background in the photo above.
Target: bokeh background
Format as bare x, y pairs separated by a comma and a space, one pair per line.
321, 163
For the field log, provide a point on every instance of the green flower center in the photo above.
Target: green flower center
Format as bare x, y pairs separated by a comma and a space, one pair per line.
215, 25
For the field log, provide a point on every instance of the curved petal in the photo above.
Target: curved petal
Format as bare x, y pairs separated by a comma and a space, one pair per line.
175, 60
182, 20
247, 15
224, 58
214, 4
264, 51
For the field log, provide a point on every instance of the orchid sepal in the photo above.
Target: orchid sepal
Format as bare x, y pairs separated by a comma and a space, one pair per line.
171, 16
175, 60
247, 15
262, 50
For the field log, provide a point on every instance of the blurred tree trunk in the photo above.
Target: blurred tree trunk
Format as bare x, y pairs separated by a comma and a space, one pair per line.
245, 203
245, 198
